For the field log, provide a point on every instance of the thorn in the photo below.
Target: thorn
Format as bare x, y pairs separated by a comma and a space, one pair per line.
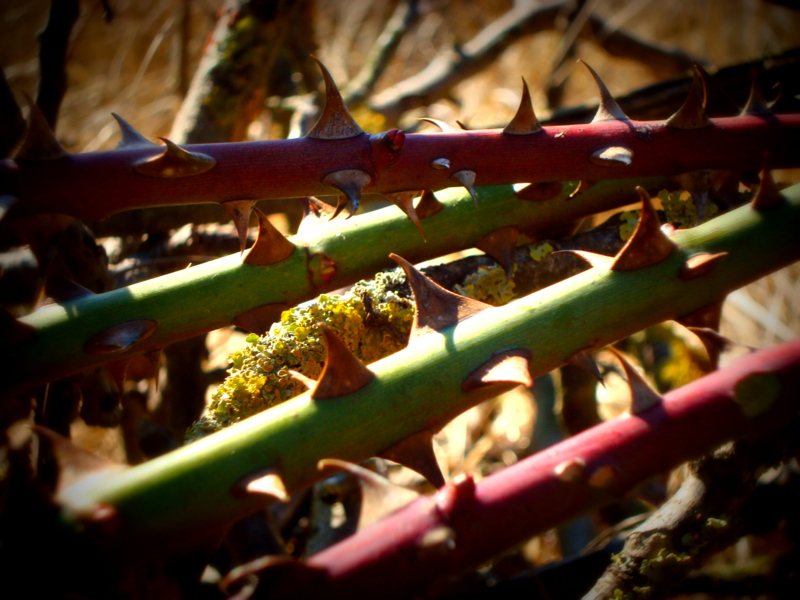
501, 245
267, 483
121, 337
643, 396
456, 493
445, 127
174, 162
612, 156
342, 373
315, 212
154, 359
118, 373
385, 147
304, 379
428, 205
756, 103
61, 288
537, 192
405, 202
73, 462
270, 246
585, 360
716, 344
706, 317
416, 453
467, 179
608, 110
12, 331
322, 270
571, 470
462, 126
130, 137
509, 368
583, 185
699, 265
349, 182
436, 542
768, 194
525, 121
379, 496
594, 259
435, 307
335, 122
692, 114
648, 245
240, 211
40, 141
257, 320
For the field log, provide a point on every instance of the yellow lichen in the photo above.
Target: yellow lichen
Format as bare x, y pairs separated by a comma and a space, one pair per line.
629, 218
681, 210
539, 251
488, 284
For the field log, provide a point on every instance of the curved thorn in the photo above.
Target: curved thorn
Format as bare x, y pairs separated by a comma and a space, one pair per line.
501, 245
648, 245
428, 205
40, 141
174, 162
268, 482
239, 212
405, 202
508, 368
258, 320
130, 138
705, 317
342, 373
643, 396
699, 265
584, 360
416, 453
467, 179
315, 212
435, 307
442, 125
270, 246
525, 121
349, 182
768, 194
608, 109
335, 122
756, 103
612, 156
692, 114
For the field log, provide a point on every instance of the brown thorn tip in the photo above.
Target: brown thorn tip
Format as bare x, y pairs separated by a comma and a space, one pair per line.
594, 259
315, 212
756, 103
416, 453
270, 247
508, 368
768, 194
584, 360
608, 110
266, 483
442, 125
121, 337
692, 114
343, 373
174, 162
40, 141
405, 202
130, 137
349, 182
643, 396
467, 179
525, 121
239, 212
258, 319
428, 205
335, 122
648, 245
435, 307
501, 245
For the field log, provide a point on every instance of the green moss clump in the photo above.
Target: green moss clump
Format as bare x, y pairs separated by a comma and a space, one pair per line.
665, 567
373, 319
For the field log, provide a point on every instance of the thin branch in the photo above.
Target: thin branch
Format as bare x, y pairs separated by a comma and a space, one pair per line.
53, 43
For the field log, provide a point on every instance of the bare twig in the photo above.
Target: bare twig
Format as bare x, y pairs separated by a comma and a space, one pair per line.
53, 43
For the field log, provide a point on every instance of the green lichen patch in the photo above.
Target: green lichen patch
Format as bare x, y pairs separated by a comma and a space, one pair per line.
373, 319
756, 393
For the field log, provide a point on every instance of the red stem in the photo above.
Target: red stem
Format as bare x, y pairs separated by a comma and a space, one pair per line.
96, 185
387, 559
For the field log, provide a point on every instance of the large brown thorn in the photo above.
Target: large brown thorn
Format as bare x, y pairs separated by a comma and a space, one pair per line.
643, 396
270, 246
525, 121
130, 137
239, 212
174, 162
335, 122
608, 109
349, 182
692, 114
648, 245
343, 373
416, 453
435, 307
507, 369
40, 141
